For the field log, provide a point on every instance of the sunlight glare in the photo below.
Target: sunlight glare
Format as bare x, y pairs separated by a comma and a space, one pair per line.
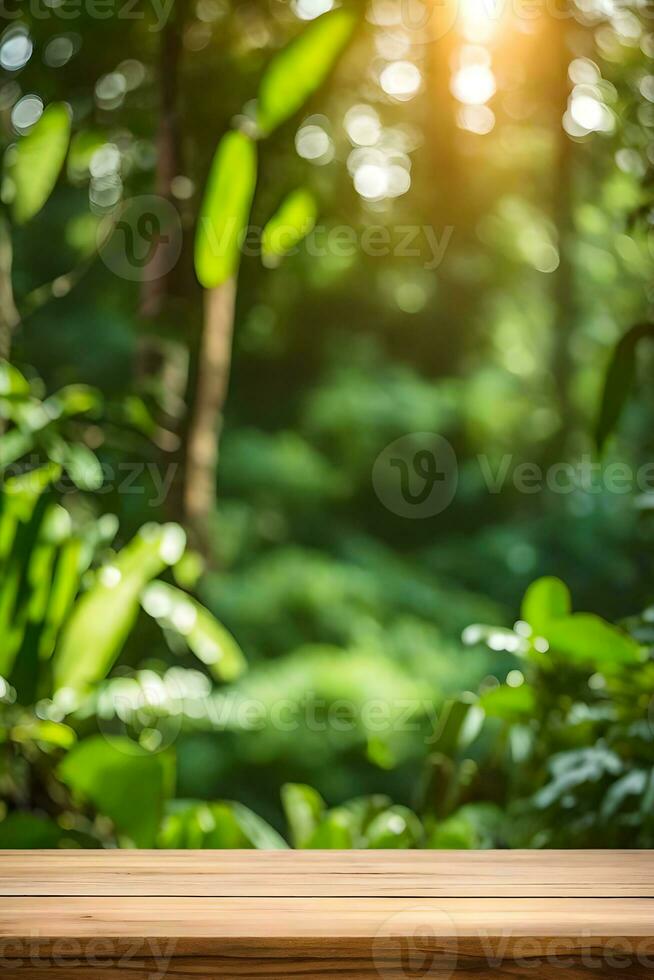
371, 181
310, 9
401, 80
477, 119
362, 125
473, 84
313, 143
479, 19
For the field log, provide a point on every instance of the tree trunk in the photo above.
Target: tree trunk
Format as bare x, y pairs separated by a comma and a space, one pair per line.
206, 423
452, 206
157, 361
562, 204
9, 317
156, 285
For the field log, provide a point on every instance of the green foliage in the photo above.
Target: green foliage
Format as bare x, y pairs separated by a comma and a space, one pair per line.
619, 380
293, 220
122, 782
545, 600
589, 640
105, 614
225, 210
112, 673
304, 808
46, 426
33, 165
25, 831
368, 822
301, 68
196, 824
205, 637
471, 827
577, 724
33, 534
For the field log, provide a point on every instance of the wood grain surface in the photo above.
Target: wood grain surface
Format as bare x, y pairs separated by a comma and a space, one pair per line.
346, 915
350, 874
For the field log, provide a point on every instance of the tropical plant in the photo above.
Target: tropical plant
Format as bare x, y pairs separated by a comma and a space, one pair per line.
292, 76
575, 723
69, 600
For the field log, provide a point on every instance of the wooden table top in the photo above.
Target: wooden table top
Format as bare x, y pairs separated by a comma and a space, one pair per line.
325, 874
240, 901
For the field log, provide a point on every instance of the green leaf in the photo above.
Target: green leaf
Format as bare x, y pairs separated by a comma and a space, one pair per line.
49, 732
261, 834
380, 752
25, 562
634, 783
26, 831
472, 826
546, 599
588, 640
122, 782
73, 400
304, 808
12, 383
453, 834
619, 381
225, 210
134, 411
216, 825
301, 67
82, 148
509, 703
72, 561
294, 219
189, 569
397, 827
34, 163
335, 832
450, 733
102, 618
82, 466
574, 770
203, 634
22, 493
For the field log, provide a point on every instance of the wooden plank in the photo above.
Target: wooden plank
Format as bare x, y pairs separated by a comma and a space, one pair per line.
484, 874
230, 915
351, 967
353, 939
192, 921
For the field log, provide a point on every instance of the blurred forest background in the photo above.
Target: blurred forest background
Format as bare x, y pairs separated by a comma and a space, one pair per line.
217, 627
